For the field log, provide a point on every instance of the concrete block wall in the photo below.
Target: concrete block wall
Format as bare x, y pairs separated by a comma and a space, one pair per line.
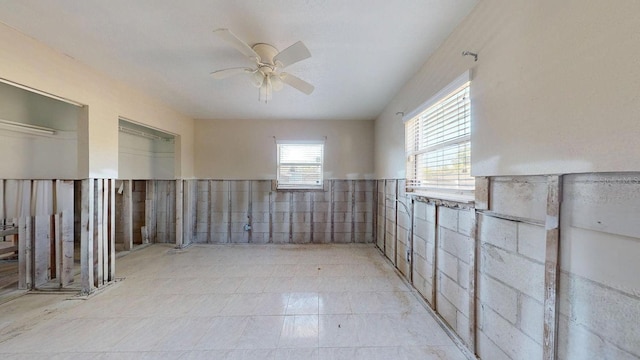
510, 289
599, 283
598, 287
424, 240
249, 211
454, 249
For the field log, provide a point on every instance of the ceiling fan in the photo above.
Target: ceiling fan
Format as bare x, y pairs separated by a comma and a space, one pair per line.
267, 75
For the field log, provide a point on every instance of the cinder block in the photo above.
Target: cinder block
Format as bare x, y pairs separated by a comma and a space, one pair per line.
259, 206
242, 217
509, 338
219, 186
523, 196
456, 295
344, 237
577, 342
239, 186
422, 267
341, 206
446, 310
448, 264
462, 327
321, 237
263, 186
532, 241
259, 227
281, 227
301, 217
322, 207
324, 196
301, 237
419, 246
301, 227
448, 218
610, 314
463, 275
516, 271
502, 299
280, 238
455, 244
487, 349
465, 222
531, 318
498, 232
420, 210
281, 207
341, 185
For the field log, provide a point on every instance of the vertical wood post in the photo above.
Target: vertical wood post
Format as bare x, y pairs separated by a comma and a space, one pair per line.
87, 236
179, 213
434, 266
41, 250
66, 239
473, 273
127, 215
98, 233
112, 229
25, 232
551, 268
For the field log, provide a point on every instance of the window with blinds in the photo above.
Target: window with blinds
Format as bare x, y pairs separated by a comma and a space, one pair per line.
300, 165
438, 143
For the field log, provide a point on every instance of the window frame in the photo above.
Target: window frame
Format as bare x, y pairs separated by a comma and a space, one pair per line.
281, 186
461, 193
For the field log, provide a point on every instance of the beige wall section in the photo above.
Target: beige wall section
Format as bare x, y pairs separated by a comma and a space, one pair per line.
245, 149
554, 89
28, 62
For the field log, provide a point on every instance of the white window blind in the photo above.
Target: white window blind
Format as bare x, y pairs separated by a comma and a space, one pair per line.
300, 165
438, 145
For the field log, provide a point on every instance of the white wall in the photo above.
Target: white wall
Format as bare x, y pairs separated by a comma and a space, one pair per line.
246, 149
141, 158
555, 88
28, 62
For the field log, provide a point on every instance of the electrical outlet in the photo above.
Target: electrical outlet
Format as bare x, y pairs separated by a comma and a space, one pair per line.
247, 227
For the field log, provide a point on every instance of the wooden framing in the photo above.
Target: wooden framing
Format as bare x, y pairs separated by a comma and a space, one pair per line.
551, 268
179, 213
472, 287
87, 236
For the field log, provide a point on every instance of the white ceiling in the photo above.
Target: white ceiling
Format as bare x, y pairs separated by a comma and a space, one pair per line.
363, 51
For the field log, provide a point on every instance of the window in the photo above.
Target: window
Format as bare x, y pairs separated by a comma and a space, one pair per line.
300, 165
438, 143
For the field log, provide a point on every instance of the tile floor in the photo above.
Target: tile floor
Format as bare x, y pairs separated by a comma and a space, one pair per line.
233, 302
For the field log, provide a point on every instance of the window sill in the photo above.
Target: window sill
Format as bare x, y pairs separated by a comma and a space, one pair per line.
467, 200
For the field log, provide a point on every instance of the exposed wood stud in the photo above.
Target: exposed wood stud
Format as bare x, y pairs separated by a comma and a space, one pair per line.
551, 268
384, 208
482, 193
229, 211
332, 207
250, 212
434, 266
352, 188
290, 218
112, 229
312, 204
41, 244
473, 271
179, 212
271, 205
127, 215
86, 236
98, 233
67, 244
25, 281
209, 212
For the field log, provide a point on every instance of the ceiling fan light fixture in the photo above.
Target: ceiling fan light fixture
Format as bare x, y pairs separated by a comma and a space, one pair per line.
257, 79
276, 82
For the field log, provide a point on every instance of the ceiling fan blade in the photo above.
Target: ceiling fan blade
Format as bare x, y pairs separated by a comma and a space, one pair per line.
225, 73
238, 44
291, 55
297, 83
